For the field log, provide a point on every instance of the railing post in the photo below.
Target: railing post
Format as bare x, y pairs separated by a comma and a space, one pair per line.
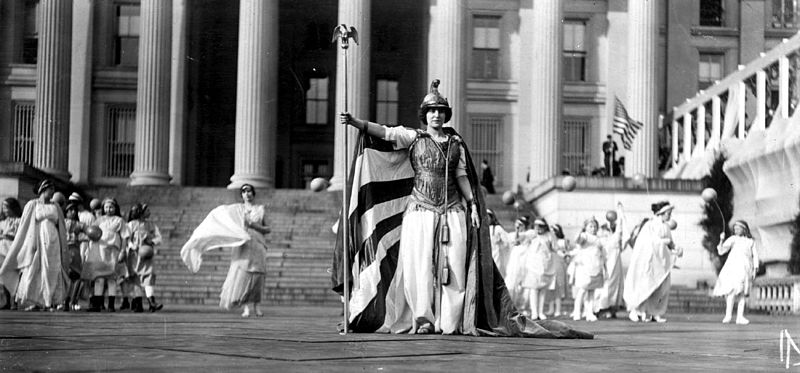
783, 87
761, 101
716, 129
674, 141
700, 136
687, 136
740, 102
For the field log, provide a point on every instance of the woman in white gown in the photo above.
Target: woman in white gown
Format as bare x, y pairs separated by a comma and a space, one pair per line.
33, 266
740, 268
10, 213
609, 298
647, 283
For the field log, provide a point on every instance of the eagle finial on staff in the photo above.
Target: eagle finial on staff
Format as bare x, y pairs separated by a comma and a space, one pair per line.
345, 34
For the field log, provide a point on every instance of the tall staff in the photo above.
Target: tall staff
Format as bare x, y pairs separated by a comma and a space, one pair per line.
344, 34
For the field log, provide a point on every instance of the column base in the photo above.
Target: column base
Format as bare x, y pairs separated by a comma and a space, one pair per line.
258, 181
149, 178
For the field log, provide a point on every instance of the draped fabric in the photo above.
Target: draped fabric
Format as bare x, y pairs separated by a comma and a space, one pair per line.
647, 283
380, 182
223, 227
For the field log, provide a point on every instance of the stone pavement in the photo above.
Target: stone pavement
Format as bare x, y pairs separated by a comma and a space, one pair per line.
303, 339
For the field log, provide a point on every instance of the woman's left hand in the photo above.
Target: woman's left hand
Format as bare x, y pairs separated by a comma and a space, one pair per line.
476, 220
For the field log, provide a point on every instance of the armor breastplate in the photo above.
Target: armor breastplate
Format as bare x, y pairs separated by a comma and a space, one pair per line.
428, 160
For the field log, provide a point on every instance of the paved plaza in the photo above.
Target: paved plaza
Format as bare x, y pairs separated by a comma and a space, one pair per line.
304, 339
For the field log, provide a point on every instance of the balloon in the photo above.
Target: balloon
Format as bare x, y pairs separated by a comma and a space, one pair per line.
95, 204
639, 180
672, 224
146, 252
709, 195
517, 205
318, 184
568, 183
58, 198
93, 232
611, 216
508, 197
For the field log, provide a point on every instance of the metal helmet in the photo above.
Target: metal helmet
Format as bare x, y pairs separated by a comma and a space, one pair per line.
434, 100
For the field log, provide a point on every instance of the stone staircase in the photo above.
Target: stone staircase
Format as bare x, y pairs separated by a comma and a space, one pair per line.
300, 245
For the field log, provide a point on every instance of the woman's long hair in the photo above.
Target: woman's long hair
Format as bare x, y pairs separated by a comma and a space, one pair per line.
13, 207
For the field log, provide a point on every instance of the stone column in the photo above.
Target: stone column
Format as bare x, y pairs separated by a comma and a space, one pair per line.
447, 57
51, 118
81, 91
256, 94
178, 92
356, 13
642, 104
542, 24
151, 155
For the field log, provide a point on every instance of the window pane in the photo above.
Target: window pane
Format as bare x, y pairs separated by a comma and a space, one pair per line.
392, 88
493, 38
322, 89
133, 23
392, 114
310, 110
480, 38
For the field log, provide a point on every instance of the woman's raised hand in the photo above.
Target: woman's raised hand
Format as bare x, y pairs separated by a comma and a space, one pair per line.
348, 119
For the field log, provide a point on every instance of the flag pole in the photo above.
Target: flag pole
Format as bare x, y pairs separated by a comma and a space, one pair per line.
344, 34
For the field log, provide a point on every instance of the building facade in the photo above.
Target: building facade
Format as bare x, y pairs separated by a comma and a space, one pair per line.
217, 93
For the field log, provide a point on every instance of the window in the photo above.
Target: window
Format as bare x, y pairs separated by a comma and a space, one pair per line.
30, 38
22, 137
710, 69
126, 51
120, 140
486, 142
784, 13
574, 155
317, 101
574, 51
386, 101
711, 13
486, 47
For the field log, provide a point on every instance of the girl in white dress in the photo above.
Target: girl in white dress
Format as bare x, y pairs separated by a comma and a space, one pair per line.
741, 267
501, 243
104, 255
515, 269
558, 287
590, 270
538, 268
10, 213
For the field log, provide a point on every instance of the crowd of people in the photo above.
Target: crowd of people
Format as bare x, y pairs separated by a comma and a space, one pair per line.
54, 253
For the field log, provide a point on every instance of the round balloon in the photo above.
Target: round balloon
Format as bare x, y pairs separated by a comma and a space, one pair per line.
568, 183
517, 205
95, 204
146, 252
611, 215
639, 179
672, 224
58, 198
318, 184
93, 232
508, 197
709, 195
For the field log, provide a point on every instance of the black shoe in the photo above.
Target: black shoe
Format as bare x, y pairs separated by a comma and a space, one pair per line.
111, 304
94, 304
125, 304
136, 305
154, 306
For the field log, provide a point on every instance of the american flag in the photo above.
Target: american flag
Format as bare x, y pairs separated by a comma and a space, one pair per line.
624, 125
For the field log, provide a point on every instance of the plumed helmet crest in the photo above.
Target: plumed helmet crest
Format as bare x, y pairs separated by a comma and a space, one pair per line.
434, 99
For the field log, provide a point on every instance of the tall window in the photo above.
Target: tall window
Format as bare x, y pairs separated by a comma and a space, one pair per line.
711, 13
574, 146
127, 41
386, 101
317, 101
30, 37
120, 140
486, 47
784, 13
22, 135
486, 142
574, 51
710, 69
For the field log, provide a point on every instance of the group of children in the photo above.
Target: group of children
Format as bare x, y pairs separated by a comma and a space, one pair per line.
540, 265
104, 256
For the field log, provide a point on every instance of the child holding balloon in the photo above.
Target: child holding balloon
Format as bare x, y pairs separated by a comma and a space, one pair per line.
144, 237
739, 270
590, 272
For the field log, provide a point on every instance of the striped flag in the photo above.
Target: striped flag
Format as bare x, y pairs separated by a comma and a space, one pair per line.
624, 125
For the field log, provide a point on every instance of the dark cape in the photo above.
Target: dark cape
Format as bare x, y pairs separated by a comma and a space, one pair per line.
488, 308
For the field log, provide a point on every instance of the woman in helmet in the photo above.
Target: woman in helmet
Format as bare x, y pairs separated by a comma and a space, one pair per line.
434, 229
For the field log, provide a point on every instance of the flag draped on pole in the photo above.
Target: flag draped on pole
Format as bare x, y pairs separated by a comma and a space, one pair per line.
380, 183
624, 125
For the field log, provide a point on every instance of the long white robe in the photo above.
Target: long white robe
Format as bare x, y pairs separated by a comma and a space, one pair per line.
647, 282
